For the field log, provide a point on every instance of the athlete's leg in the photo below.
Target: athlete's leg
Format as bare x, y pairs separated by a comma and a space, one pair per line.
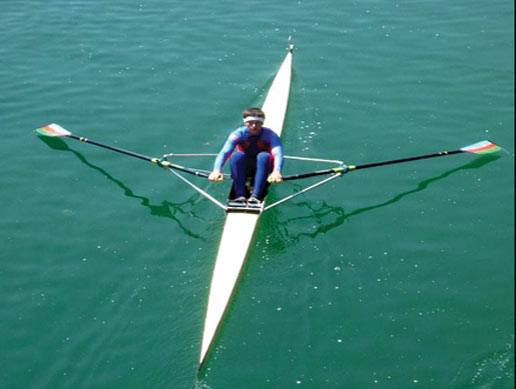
263, 169
238, 165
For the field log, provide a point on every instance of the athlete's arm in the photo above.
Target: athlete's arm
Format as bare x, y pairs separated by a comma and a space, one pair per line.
277, 152
223, 156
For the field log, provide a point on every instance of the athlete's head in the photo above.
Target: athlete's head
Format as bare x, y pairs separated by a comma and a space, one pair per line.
251, 113
253, 119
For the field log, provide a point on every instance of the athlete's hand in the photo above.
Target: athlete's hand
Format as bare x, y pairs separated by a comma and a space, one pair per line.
216, 176
275, 177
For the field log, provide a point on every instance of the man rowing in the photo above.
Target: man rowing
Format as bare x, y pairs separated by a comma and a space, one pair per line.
259, 155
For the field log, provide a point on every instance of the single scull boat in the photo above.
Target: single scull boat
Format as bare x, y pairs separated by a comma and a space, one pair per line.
241, 222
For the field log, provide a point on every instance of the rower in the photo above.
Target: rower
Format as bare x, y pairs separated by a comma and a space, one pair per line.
259, 156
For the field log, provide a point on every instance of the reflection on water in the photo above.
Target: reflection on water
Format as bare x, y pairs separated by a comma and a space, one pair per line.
320, 215
167, 209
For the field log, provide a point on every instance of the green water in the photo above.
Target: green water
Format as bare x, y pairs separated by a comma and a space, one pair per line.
391, 277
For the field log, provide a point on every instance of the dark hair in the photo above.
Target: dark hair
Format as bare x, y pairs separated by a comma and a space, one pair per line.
253, 112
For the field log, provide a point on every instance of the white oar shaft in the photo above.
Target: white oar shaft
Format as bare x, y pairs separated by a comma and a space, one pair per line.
304, 191
205, 194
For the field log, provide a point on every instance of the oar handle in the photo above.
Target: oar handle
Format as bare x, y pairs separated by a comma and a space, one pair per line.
188, 170
343, 169
308, 175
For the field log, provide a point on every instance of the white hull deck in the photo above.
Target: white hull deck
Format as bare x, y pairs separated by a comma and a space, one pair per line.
236, 238
241, 224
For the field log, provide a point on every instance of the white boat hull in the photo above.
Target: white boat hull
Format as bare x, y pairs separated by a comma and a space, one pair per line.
240, 224
236, 237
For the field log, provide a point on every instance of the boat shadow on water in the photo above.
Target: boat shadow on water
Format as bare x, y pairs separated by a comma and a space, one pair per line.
167, 209
339, 215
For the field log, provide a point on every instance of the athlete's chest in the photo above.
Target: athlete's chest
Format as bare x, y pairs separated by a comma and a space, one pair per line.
248, 142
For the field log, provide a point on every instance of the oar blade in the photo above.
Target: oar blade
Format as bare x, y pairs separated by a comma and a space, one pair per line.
53, 130
483, 147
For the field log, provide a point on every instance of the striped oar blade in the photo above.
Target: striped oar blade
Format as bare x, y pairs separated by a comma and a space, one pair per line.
53, 130
484, 147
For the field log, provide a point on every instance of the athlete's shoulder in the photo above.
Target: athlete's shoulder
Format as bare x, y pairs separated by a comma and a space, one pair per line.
241, 128
268, 132
238, 134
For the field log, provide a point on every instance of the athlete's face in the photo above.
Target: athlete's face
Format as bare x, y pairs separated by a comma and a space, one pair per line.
254, 127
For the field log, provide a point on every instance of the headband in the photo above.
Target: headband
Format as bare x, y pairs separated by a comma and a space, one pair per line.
253, 119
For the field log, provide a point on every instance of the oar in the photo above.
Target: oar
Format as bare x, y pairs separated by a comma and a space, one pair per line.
55, 130
483, 147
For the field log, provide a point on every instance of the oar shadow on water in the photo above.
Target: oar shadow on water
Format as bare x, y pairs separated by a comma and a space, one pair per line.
167, 209
320, 214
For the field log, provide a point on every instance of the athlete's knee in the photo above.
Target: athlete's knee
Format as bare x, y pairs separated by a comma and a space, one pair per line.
263, 157
237, 156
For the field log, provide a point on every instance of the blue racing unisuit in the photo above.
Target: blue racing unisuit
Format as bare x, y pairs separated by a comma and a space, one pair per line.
258, 154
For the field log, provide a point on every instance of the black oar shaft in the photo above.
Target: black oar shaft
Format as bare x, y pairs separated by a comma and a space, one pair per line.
185, 169
391, 162
141, 156
287, 178
307, 175
118, 150
368, 165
